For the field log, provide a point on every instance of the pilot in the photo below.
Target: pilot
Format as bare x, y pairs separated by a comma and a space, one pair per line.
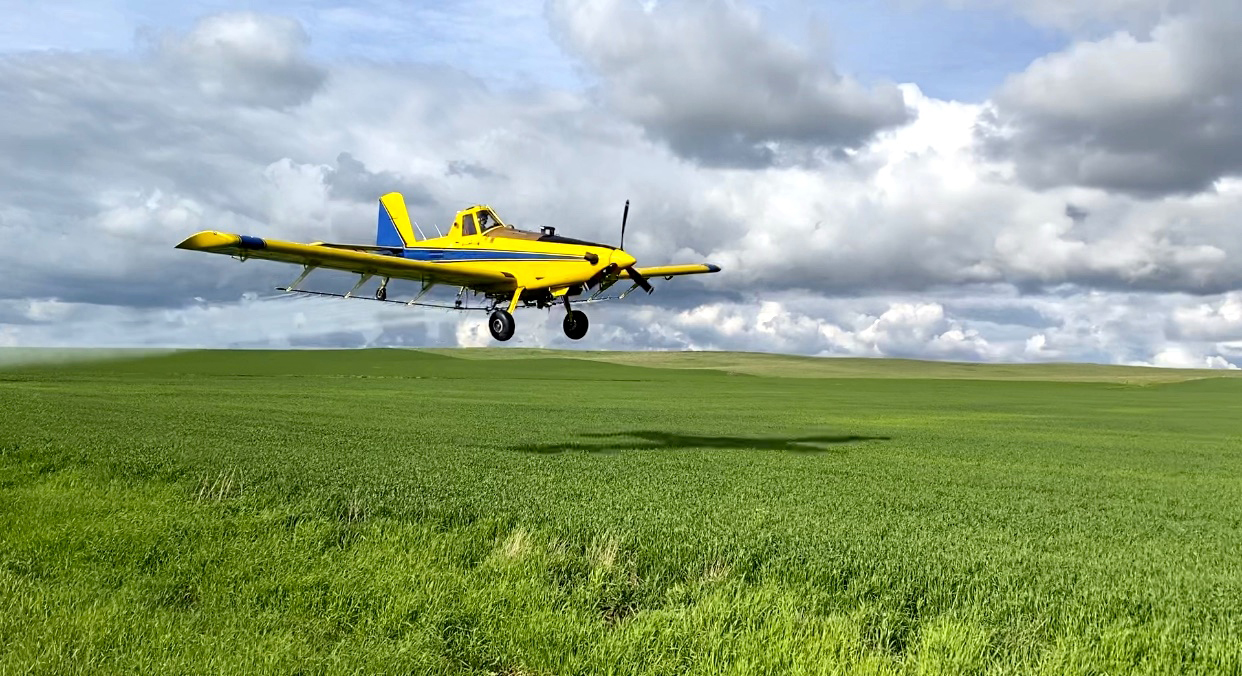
483, 215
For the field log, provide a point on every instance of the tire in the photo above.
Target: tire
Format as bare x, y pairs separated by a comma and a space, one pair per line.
501, 325
575, 324
381, 293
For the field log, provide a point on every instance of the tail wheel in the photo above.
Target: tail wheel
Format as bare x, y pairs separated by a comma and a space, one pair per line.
501, 325
576, 324
381, 293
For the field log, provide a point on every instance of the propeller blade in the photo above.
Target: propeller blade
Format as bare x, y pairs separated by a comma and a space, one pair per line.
601, 276
639, 279
625, 216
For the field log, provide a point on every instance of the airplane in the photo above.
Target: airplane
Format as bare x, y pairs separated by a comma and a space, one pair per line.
510, 268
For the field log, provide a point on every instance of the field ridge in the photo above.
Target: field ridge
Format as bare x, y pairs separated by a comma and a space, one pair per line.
747, 363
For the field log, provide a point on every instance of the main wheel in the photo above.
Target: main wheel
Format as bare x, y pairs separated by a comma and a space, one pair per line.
501, 325
381, 293
575, 324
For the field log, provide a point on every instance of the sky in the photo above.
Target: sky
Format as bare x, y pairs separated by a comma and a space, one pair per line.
979, 180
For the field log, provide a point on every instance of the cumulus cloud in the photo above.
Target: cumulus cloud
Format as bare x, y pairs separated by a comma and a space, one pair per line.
911, 241
252, 321
917, 209
1149, 114
246, 58
712, 82
1218, 320
1182, 357
1107, 328
1075, 15
351, 180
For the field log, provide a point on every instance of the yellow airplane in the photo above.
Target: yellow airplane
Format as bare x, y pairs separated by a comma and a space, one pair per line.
511, 268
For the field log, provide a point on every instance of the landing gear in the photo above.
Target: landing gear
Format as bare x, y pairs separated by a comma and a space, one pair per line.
381, 293
575, 324
501, 325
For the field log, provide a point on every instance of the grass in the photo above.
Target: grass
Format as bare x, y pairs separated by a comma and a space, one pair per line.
792, 366
389, 510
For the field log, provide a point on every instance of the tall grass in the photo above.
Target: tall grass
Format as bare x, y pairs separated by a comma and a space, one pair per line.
399, 511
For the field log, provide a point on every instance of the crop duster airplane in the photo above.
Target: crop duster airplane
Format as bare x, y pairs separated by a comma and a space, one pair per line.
511, 268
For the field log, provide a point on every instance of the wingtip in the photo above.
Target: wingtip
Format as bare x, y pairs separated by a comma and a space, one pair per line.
208, 240
712, 267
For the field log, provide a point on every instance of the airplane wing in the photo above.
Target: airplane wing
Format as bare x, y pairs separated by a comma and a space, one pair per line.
360, 259
668, 271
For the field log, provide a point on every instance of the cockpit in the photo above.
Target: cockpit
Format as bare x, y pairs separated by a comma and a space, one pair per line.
482, 220
479, 220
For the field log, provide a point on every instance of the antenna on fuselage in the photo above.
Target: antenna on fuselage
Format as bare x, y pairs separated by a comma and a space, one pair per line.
438, 230
420, 231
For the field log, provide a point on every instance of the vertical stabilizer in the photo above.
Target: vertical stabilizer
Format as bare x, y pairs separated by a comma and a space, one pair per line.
393, 227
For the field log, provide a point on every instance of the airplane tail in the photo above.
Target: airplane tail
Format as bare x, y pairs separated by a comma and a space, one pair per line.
393, 227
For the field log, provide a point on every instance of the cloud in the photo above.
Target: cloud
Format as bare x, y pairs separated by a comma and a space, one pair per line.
1107, 328
350, 180
917, 209
246, 58
708, 79
1099, 18
1181, 357
1151, 115
912, 209
275, 321
1217, 320
1075, 15
912, 240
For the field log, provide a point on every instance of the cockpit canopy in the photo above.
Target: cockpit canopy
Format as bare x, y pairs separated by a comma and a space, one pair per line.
481, 220
478, 220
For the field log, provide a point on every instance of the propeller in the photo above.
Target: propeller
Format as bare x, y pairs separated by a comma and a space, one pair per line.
635, 275
625, 216
639, 279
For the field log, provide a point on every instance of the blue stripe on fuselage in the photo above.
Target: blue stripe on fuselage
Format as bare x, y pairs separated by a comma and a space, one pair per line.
472, 255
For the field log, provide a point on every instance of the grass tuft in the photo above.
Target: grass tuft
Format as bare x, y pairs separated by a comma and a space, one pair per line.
516, 545
218, 486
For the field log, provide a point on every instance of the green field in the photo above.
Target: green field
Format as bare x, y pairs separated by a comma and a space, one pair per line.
522, 512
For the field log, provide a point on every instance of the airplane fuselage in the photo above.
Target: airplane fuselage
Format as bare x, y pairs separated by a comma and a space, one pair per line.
533, 263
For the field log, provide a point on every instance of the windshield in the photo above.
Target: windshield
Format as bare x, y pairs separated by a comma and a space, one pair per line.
488, 220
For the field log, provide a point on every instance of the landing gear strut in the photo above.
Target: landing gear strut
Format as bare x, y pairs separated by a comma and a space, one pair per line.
501, 321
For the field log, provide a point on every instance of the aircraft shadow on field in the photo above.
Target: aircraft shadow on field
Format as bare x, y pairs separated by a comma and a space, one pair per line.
651, 440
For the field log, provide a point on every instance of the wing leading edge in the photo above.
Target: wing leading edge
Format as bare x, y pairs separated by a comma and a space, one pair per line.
342, 257
667, 271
